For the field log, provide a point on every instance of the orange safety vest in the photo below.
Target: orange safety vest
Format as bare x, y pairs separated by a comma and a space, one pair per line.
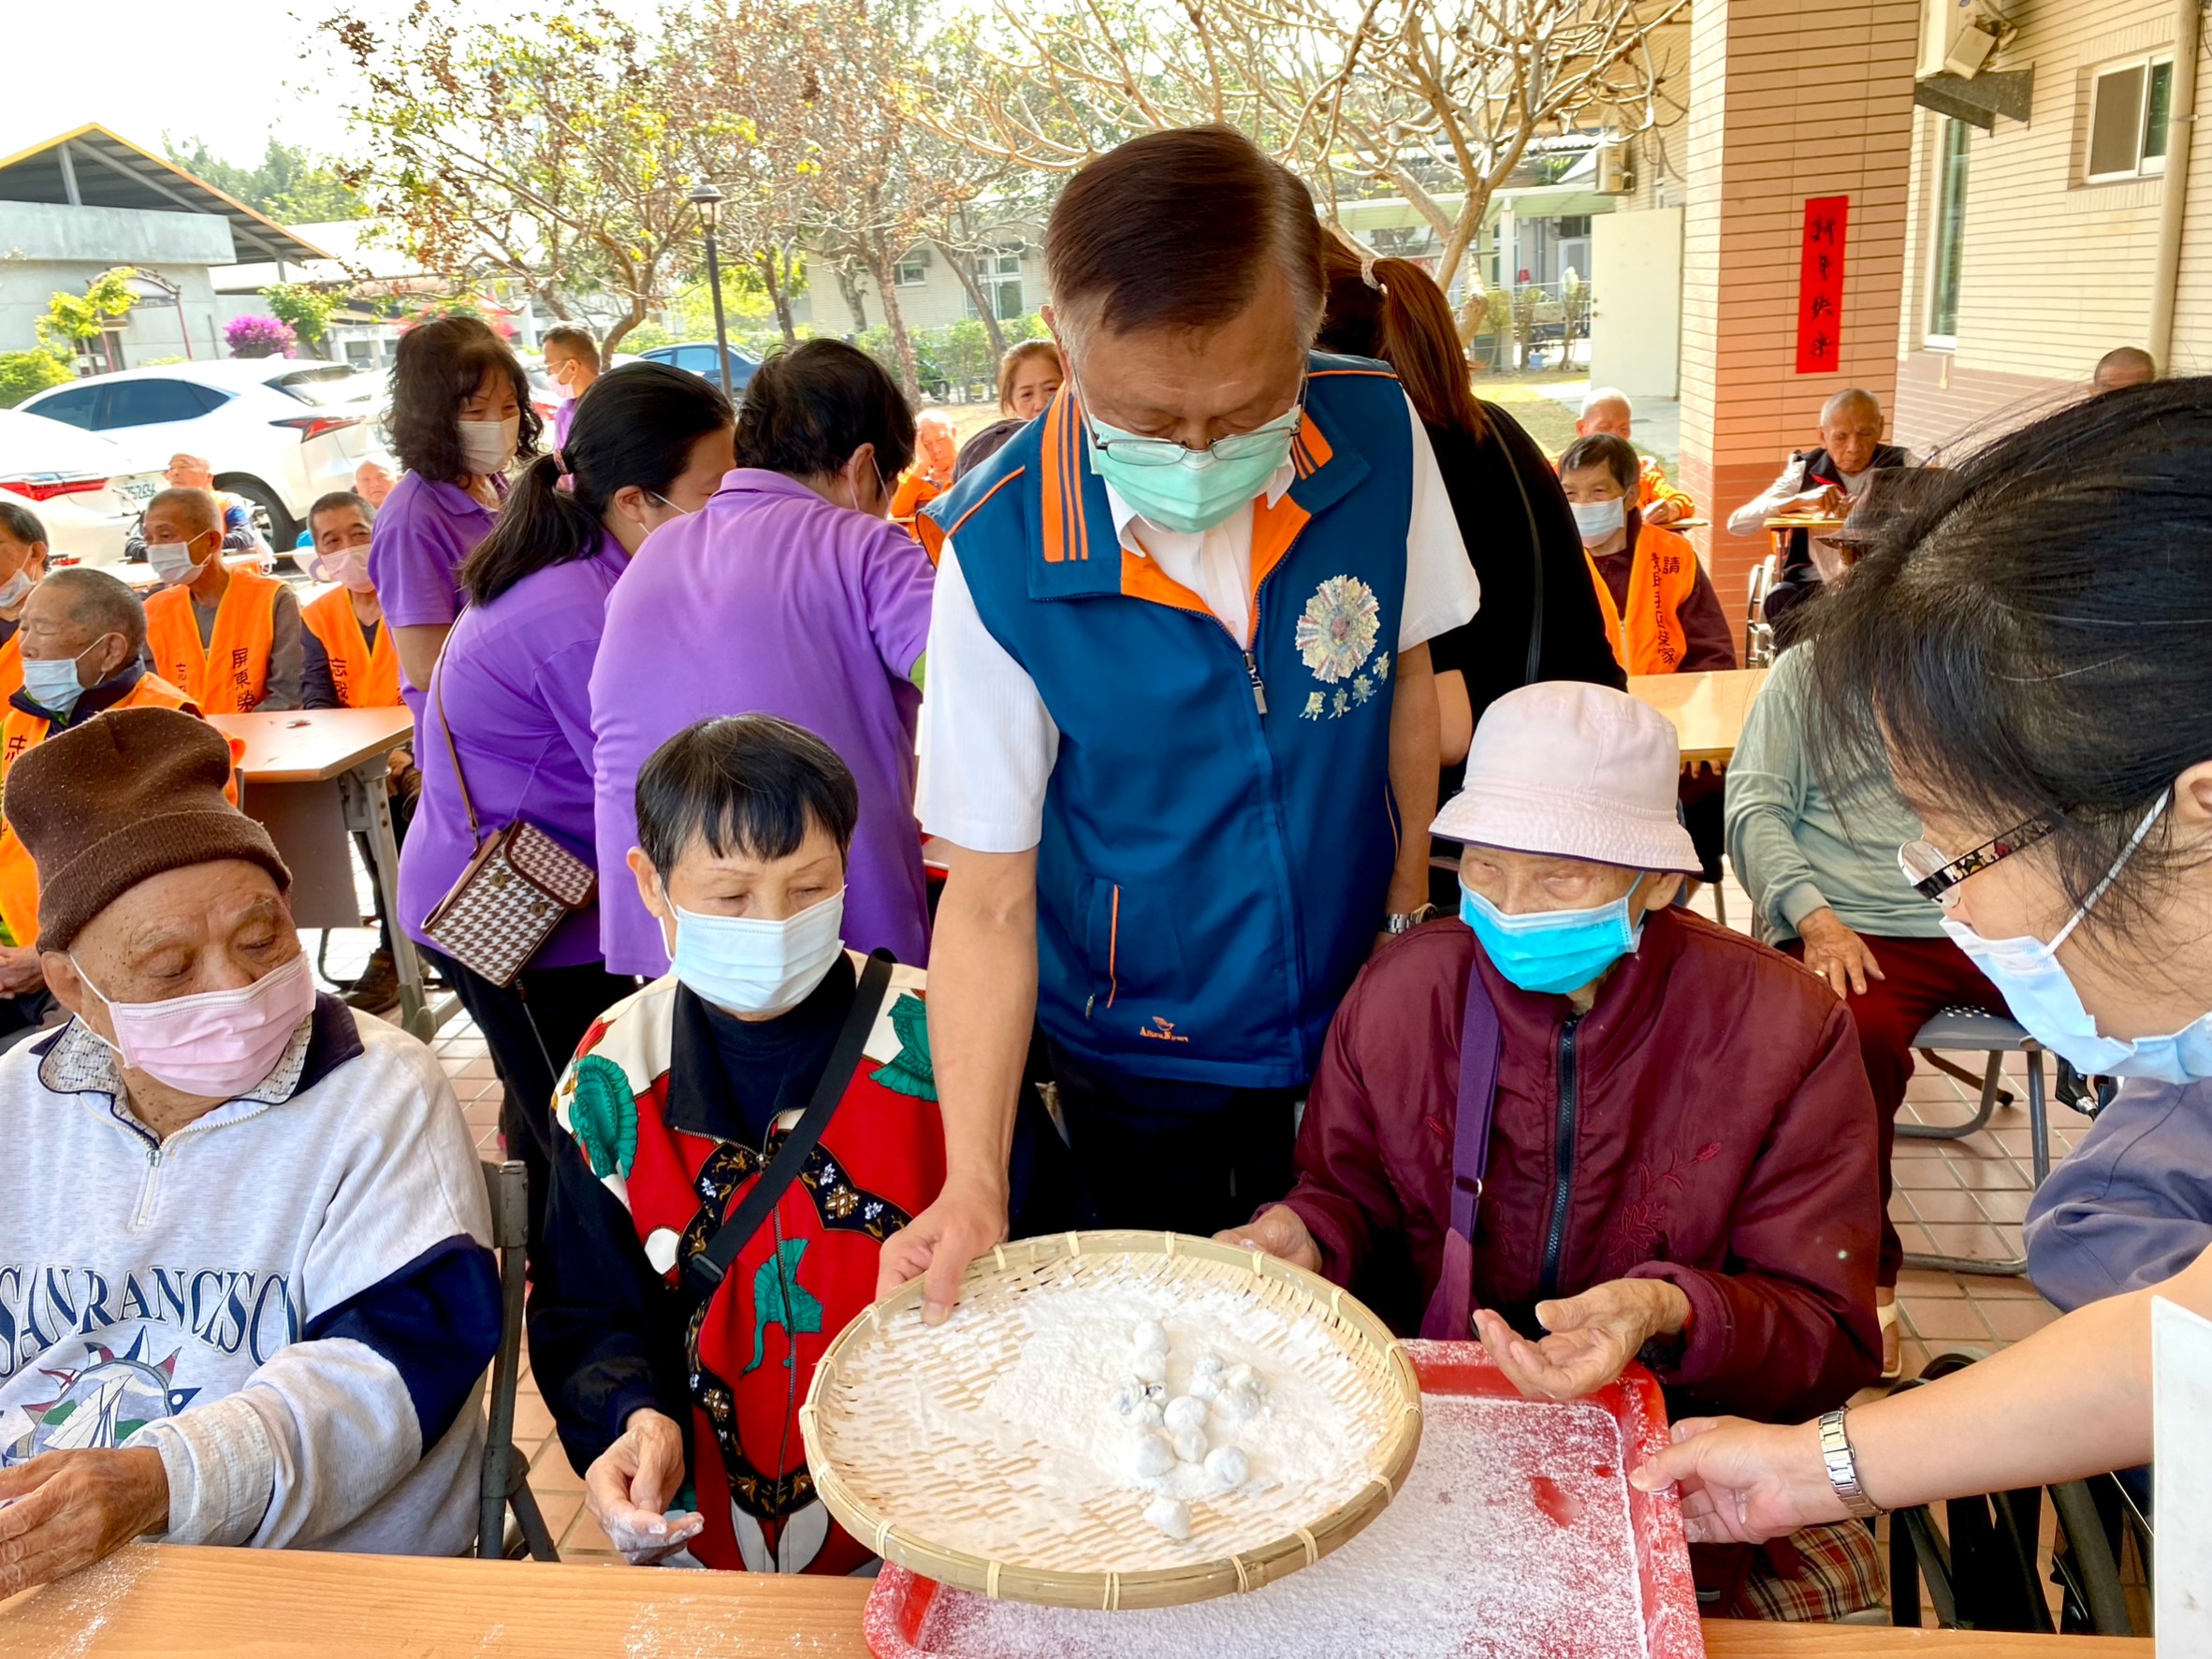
11, 666
365, 677
22, 730
230, 674
1661, 578
1652, 489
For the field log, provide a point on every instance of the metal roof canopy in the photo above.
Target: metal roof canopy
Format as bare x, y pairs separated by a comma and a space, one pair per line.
92, 167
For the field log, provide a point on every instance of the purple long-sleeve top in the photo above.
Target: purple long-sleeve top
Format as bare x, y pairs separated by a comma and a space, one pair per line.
770, 601
514, 683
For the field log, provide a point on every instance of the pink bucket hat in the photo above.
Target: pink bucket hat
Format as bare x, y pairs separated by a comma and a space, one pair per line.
1573, 771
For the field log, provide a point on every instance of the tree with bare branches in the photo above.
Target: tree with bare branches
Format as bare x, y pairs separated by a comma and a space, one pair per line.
558, 149
1437, 101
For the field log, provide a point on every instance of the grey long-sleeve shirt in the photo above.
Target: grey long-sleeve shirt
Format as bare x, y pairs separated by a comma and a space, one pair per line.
1795, 849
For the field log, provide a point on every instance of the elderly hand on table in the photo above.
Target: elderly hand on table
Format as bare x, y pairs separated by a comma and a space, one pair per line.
630, 1485
66, 1509
1592, 1337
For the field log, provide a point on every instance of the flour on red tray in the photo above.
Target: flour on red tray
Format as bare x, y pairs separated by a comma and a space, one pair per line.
1510, 1541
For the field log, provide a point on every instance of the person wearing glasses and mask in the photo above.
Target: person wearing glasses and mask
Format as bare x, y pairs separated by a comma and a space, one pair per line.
505, 729
1668, 1134
790, 594
1180, 709
571, 363
83, 635
2064, 792
658, 1382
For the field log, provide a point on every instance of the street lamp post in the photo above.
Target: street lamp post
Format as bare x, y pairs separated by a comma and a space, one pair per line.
708, 200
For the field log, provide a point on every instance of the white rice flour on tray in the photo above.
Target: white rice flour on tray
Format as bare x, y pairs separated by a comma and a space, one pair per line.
1033, 1465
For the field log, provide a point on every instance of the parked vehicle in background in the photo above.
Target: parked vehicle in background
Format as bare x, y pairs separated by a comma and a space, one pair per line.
87, 490
698, 357
277, 431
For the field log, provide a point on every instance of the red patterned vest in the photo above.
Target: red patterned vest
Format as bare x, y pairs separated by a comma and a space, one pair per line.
807, 1273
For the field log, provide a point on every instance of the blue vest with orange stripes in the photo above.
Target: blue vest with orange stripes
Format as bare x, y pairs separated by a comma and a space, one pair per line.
1218, 829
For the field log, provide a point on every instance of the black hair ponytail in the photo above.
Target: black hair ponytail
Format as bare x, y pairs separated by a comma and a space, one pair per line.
634, 425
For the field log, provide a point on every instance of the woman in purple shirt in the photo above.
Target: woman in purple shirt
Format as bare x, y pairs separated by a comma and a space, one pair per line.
792, 594
460, 414
648, 447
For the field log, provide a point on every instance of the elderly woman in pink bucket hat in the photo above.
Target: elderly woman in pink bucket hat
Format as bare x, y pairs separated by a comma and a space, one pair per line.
1589, 1127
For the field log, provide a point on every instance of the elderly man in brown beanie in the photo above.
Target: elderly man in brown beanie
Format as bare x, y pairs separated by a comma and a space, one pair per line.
242, 1234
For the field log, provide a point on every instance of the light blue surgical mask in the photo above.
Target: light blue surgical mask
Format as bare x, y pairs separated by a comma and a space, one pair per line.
755, 967
2042, 997
51, 682
1552, 951
1191, 490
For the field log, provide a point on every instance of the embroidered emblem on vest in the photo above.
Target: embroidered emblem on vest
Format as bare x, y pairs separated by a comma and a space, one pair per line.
603, 1113
910, 1072
1337, 633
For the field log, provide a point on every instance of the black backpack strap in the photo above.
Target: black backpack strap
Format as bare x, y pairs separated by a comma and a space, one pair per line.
721, 1250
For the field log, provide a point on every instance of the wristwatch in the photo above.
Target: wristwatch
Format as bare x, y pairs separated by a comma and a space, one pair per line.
1835, 1452
1406, 920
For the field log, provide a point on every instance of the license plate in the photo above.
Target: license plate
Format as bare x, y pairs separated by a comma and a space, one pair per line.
137, 492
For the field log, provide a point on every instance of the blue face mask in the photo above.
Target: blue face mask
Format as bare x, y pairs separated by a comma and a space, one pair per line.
2043, 998
1191, 490
1552, 951
51, 682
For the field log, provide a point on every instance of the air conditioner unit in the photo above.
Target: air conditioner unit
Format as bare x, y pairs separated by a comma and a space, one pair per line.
1616, 170
1977, 37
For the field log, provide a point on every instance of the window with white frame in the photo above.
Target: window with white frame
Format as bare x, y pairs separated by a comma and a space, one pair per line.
999, 274
913, 271
2128, 105
1948, 237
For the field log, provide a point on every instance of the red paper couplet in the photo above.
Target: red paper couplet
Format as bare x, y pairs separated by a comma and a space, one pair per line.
1820, 286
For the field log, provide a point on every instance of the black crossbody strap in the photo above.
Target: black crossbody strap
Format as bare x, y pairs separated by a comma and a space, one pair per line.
711, 1263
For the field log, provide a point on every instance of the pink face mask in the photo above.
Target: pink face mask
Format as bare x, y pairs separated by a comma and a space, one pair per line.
219, 1043
349, 568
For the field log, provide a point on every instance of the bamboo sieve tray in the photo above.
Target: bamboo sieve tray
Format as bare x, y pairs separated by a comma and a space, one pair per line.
906, 1452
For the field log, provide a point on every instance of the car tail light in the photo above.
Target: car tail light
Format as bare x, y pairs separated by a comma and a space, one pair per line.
45, 489
315, 426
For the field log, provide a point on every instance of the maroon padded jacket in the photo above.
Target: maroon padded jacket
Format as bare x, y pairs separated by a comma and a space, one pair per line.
1707, 1123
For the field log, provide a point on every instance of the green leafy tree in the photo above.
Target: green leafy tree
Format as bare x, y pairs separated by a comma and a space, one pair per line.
308, 310
73, 321
22, 373
291, 185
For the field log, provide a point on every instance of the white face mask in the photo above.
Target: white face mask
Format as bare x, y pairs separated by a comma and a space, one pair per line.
172, 560
15, 590
489, 445
758, 967
1597, 520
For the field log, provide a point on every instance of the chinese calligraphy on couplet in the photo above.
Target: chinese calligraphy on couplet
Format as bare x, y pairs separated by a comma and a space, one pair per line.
1820, 286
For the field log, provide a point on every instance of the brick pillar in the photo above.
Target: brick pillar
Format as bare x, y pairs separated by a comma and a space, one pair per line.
1786, 101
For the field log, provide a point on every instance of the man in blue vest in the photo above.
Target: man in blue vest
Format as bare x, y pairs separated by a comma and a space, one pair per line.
1179, 706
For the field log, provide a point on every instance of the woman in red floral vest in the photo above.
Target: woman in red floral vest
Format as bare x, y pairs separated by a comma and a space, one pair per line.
675, 1394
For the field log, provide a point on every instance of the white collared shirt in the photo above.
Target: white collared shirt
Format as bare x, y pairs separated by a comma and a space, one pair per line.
989, 743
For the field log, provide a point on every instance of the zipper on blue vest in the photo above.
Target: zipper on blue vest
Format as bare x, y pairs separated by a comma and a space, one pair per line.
1258, 685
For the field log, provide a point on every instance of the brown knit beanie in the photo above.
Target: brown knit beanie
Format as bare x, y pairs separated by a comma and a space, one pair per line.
125, 796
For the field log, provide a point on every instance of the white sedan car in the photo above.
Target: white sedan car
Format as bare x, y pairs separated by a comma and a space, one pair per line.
277, 431
86, 490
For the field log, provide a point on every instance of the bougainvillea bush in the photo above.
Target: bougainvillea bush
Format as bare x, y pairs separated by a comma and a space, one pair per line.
260, 337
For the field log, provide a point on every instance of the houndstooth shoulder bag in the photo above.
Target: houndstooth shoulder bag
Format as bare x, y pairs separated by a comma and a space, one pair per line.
514, 890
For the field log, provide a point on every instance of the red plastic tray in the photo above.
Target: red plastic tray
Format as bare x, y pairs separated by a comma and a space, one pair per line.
910, 1617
